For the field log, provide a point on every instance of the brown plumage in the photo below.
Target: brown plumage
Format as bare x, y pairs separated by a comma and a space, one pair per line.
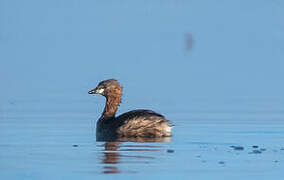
136, 123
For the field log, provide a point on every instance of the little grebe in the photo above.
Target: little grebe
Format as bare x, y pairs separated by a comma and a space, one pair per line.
136, 123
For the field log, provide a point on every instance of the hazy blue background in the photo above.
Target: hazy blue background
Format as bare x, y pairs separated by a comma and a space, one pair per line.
226, 90
66, 47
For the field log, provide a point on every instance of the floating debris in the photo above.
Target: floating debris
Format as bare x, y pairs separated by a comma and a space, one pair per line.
262, 149
75, 145
221, 162
254, 146
255, 152
170, 151
282, 149
238, 148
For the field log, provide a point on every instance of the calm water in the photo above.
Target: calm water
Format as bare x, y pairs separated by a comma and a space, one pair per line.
211, 139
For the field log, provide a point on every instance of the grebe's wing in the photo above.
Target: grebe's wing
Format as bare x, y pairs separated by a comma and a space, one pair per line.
141, 123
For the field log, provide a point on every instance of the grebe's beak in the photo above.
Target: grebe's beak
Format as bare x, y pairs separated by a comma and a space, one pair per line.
93, 91
96, 91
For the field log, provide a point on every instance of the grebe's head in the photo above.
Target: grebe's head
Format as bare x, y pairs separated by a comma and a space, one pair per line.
109, 87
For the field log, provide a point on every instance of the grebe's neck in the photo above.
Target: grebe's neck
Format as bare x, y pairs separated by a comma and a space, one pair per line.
112, 103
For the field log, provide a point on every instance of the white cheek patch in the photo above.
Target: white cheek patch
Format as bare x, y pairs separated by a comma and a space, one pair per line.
100, 91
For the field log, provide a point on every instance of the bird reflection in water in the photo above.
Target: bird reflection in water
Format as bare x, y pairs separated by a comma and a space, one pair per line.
113, 153
111, 157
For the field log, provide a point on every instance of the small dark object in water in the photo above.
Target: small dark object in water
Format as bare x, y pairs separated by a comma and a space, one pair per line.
170, 151
238, 148
221, 162
256, 152
136, 123
276, 161
198, 156
262, 149
254, 146
204, 161
282, 149
75, 145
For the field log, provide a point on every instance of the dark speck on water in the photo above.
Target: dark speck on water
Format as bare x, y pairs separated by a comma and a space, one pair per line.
262, 149
12, 103
238, 148
221, 162
75, 145
254, 146
282, 149
255, 152
170, 151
